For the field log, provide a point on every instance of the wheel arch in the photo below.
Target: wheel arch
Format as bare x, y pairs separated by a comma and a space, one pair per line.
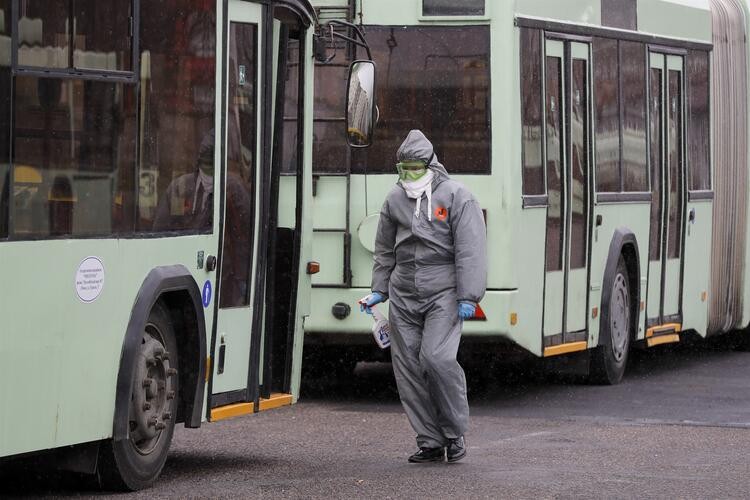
625, 243
179, 292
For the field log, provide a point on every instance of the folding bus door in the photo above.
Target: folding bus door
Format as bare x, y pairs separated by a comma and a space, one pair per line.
666, 127
567, 154
234, 328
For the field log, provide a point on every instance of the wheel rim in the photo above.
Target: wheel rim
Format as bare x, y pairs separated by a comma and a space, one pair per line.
153, 392
619, 311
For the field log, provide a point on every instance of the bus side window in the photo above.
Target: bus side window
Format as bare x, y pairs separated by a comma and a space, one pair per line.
4, 200
531, 111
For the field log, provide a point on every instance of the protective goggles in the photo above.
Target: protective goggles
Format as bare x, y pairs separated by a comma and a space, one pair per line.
411, 170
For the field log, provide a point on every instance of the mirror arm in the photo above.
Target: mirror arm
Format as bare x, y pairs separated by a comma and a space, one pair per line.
358, 40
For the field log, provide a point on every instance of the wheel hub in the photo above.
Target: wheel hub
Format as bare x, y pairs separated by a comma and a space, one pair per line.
619, 311
153, 392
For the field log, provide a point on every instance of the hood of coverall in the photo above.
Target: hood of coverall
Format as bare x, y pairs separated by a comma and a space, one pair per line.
416, 146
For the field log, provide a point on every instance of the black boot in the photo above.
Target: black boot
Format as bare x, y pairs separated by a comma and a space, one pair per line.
425, 455
456, 449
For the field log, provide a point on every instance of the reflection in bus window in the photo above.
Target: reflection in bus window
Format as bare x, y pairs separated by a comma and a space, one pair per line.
330, 151
291, 111
101, 39
531, 112
579, 138
607, 109
633, 82
435, 79
698, 125
178, 43
361, 100
44, 33
453, 8
4, 199
5, 98
236, 261
555, 152
74, 144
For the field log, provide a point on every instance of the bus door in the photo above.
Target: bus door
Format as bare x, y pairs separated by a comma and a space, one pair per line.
666, 105
567, 156
234, 327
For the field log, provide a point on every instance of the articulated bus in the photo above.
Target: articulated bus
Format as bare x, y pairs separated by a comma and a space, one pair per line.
154, 261
606, 141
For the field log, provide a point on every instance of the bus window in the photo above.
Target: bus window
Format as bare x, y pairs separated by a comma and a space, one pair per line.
555, 152
101, 39
619, 14
5, 99
698, 124
330, 153
102, 35
236, 261
633, 84
607, 109
291, 109
74, 141
436, 79
531, 112
44, 25
178, 45
452, 8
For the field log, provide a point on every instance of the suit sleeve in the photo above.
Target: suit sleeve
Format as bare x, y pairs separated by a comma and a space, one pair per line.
470, 245
385, 252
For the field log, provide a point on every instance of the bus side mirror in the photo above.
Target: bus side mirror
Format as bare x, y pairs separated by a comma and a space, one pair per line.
360, 104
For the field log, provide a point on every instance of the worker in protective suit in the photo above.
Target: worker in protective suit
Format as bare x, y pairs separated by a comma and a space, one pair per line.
431, 262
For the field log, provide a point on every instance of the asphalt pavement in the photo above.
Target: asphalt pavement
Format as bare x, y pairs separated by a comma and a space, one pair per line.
677, 427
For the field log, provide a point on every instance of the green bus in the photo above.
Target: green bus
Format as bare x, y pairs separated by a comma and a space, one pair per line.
606, 141
155, 225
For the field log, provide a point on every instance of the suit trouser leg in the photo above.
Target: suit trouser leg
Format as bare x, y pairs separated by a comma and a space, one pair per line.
407, 323
445, 378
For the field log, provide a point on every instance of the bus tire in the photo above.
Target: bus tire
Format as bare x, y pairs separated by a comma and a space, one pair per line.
609, 359
135, 463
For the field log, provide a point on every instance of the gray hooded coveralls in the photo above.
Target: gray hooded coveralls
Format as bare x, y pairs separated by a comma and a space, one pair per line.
426, 267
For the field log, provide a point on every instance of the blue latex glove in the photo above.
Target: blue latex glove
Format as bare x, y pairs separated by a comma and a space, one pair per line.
372, 299
466, 310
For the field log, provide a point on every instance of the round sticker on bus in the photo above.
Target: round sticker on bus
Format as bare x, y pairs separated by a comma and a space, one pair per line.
90, 279
206, 293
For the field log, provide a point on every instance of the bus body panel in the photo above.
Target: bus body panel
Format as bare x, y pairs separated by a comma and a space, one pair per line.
66, 353
60, 354
516, 239
696, 275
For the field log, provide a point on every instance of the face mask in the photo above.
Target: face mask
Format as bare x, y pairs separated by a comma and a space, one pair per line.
206, 168
411, 170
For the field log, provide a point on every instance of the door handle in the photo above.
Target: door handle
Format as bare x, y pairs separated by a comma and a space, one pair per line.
691, 217
211, 263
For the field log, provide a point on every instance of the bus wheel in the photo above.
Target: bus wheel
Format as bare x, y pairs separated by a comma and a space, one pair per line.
135, 463
608, 361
